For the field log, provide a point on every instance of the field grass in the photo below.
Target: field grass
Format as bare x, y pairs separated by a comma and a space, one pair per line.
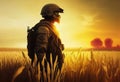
79, 66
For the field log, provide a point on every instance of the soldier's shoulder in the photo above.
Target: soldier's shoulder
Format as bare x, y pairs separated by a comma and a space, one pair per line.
43, 29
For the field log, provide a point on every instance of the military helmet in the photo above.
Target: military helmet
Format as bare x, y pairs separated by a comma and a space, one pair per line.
50, 9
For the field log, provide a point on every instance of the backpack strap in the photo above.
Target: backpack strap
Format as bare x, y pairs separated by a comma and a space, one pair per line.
34, 28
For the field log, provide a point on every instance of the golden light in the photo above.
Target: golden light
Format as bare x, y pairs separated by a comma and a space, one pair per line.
58, 27
79, 38
68, 30
87, 20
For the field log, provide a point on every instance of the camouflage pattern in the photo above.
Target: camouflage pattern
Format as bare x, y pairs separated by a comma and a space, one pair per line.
48, 42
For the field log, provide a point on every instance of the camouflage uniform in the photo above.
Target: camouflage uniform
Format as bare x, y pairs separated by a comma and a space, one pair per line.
47, 38
48, 42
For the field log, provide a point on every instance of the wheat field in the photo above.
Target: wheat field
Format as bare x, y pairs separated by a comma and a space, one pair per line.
79, 66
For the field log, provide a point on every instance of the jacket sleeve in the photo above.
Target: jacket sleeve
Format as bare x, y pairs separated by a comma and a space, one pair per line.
41, 40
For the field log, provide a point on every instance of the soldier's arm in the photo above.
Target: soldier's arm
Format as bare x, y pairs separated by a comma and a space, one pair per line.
41, 40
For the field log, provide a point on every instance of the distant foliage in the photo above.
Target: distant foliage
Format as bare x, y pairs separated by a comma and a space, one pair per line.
108, 42
96, 43
118, 46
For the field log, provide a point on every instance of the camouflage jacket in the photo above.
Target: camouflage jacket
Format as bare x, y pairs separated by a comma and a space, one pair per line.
47, 40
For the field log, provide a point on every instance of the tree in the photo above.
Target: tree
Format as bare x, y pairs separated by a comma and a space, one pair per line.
108, 42
118, 46
96, 43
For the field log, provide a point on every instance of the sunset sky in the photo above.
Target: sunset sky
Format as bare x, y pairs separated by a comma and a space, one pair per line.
81, 22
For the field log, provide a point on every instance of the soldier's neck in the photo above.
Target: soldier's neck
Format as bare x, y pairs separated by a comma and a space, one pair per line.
50, 20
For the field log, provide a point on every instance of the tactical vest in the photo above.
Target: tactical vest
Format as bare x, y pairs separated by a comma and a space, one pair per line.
54, 47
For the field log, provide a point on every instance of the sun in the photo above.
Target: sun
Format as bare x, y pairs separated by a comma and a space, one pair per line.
70, 30
66, 34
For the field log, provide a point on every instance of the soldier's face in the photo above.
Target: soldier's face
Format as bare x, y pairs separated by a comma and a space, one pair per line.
57, 17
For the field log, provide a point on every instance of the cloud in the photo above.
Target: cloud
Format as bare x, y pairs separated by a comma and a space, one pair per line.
108, 10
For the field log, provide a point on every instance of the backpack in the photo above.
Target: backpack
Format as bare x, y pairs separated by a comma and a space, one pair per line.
31, 38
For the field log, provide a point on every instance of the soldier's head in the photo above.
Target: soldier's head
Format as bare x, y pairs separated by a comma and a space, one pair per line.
51, 12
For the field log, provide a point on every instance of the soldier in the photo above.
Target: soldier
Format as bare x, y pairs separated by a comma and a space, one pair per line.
47, 40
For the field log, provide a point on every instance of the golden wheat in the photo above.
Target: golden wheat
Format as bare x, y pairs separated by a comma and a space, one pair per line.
79, 66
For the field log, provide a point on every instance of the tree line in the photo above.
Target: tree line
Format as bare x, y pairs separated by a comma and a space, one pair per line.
107, 43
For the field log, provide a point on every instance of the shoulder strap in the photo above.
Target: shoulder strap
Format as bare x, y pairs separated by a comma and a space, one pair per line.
46, 24
49, 26
34, 28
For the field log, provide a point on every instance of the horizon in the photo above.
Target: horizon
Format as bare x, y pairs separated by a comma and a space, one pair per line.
81, 22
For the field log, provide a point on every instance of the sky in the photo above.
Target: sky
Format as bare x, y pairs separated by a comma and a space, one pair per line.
81, 22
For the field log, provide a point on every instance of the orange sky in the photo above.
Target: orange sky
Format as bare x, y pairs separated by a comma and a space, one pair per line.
81, 22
